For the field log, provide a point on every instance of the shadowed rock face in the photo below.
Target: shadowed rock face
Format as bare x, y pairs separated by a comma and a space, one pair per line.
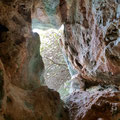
22, 68
14, 34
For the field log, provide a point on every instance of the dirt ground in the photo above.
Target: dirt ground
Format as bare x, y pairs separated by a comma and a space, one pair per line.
56, 70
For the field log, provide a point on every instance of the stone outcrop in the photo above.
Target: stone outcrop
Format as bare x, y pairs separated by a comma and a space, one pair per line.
92, 39
91, 45
103, 104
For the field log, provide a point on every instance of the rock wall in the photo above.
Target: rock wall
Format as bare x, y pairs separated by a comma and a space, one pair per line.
92, 38
101, 104
16, 19
91, 44
22, 68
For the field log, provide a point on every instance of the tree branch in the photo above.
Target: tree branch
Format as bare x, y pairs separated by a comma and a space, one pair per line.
55, 62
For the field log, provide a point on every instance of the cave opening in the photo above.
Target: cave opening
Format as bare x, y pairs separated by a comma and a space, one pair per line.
56, 72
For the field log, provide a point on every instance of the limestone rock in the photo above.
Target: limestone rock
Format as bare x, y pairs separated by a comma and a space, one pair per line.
91, 44
92, 39
95, 105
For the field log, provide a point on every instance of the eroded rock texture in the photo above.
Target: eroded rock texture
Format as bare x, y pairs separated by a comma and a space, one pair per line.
46, 14
22, 68
95, 105
92, 45
92, 38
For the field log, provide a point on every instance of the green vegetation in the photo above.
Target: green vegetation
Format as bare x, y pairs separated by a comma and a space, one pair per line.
48, 37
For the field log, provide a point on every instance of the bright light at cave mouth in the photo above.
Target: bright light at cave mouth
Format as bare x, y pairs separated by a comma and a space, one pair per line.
39, 31
47, 36
52, 56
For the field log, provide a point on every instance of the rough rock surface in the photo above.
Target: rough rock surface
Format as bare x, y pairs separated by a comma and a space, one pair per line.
92, 35
97, 105
92, 38
92, 45
22, 68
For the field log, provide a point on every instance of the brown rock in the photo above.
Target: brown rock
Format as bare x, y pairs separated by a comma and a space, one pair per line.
92, 45
22, 68
98, 105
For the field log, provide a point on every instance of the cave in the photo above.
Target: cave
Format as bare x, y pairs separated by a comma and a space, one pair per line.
91, 47
56, 72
